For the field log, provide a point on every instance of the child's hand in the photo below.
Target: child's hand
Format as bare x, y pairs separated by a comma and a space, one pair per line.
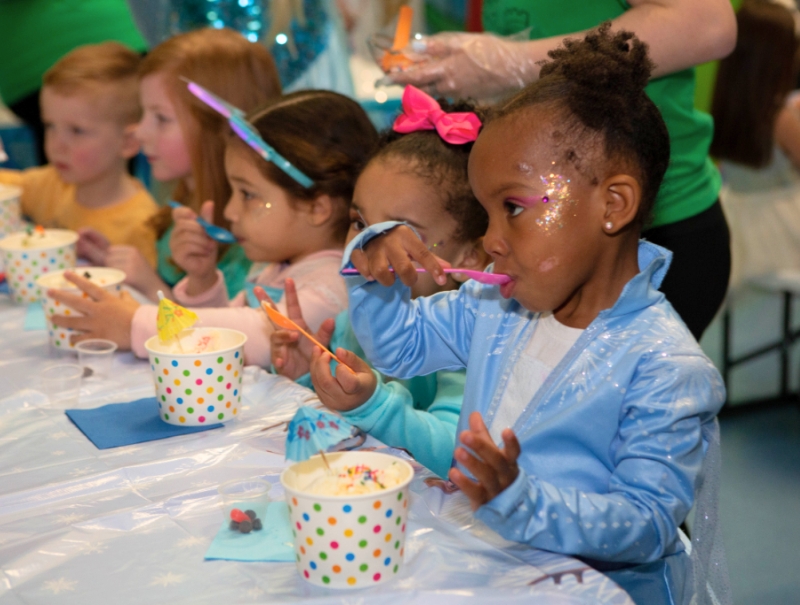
349, 388
192, 249
93, 246
398, 248
105, 315
494, 468
138, 272
290, 352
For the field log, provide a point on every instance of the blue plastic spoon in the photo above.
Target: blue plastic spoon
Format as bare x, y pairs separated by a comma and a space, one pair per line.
218, 234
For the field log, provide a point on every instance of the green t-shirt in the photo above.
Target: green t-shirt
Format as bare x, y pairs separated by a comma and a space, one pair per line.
34, 34
233, 264
692, 182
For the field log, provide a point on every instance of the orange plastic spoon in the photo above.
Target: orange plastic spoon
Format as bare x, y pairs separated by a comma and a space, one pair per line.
402, 34
280, 320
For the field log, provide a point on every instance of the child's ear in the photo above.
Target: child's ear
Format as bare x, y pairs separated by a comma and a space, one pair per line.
130, 144
470, 256
622, 198
320, 210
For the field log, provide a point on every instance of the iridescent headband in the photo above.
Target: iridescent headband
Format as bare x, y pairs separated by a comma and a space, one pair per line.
245, 131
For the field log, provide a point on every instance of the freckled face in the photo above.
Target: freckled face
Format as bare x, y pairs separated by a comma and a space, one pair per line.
544, 218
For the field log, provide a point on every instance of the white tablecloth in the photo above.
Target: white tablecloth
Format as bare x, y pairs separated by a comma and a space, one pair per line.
131, 524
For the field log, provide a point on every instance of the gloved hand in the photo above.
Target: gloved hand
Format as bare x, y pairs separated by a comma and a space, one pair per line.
480, 66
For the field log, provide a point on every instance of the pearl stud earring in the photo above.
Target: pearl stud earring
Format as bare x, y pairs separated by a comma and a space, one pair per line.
609, 226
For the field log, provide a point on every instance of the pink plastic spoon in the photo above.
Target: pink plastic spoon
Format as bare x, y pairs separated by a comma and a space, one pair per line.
492, 279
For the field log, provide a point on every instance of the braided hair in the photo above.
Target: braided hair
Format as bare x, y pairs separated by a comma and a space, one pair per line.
596, 85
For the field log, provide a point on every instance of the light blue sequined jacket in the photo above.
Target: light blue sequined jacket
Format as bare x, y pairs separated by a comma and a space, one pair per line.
614, 440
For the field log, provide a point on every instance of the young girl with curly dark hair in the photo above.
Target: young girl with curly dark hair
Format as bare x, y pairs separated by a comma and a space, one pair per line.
588, 408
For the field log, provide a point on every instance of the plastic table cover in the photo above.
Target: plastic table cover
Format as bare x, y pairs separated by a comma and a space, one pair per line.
132, 524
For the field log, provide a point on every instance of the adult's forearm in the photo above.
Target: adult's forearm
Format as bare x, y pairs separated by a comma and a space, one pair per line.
679, 33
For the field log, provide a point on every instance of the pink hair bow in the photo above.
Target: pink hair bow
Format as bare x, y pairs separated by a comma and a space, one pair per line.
422, 112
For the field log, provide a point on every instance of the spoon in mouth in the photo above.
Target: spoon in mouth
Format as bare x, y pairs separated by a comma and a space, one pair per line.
491, 279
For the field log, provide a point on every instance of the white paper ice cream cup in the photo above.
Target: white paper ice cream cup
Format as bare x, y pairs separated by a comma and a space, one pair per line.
195, 389
26, 257
347, 541
107, 278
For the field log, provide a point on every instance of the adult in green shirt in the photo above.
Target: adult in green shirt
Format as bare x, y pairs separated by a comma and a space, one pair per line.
688, 218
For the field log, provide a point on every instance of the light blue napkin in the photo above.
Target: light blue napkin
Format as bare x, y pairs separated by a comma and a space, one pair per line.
274, 542
34, 318
118, 424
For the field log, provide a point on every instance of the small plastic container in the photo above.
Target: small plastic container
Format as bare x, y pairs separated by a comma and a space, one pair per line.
248, 496
96, 355
62, 384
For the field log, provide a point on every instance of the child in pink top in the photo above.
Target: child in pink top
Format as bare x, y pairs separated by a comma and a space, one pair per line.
292, 212
317, 276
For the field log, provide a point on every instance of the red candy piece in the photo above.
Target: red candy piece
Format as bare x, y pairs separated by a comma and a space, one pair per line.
238, 515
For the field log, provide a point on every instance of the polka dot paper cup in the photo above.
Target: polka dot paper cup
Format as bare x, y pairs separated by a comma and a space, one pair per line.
194, 389
26, 257
10, 220
105, 277
347, 541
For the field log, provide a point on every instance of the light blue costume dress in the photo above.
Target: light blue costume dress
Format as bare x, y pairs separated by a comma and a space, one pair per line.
613, 443
419, 414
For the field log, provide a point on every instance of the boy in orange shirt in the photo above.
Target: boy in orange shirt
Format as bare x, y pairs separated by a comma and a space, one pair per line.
90, 106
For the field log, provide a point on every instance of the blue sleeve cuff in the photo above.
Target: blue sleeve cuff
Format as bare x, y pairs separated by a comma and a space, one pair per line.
510, 502
367, 235
305, 380
362, 415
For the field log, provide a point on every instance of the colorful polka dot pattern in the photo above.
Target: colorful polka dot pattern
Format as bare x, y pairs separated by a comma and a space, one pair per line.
9, 213
198, 390
349, 544
60, 337
23, 267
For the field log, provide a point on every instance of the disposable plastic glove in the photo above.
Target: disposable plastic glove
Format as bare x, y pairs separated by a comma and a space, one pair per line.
480, 66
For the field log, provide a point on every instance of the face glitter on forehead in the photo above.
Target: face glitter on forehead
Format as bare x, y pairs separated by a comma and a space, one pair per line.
558, 200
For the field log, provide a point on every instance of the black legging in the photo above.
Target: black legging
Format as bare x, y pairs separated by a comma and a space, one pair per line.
698, 277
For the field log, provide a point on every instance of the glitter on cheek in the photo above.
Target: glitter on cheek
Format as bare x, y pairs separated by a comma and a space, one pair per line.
557, 197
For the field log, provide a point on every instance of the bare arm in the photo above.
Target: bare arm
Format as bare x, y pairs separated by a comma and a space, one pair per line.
681, 33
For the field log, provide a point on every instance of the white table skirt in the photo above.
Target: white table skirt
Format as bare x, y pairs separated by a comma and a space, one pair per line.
131, 524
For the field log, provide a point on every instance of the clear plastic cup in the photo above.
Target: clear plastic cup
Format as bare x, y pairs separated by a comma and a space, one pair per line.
95, 356
248, 496
62, 383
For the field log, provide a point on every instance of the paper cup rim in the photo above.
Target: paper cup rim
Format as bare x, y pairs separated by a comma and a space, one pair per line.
332, 498
152, 351
68, 241
118, 279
